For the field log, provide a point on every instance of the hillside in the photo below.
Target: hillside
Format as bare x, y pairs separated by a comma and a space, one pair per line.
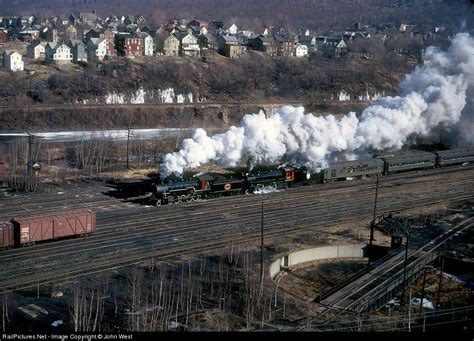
303, 14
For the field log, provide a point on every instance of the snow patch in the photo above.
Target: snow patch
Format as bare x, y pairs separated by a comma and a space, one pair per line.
344, 96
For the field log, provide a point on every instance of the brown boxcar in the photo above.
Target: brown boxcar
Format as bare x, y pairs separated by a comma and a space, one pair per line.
36, 229
6, 234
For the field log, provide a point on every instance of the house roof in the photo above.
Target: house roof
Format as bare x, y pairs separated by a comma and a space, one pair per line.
230, 39
266, 39
305, 39
10, 52
282, 39
96, 41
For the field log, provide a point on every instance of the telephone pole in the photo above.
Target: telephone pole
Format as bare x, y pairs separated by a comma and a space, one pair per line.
372, 224
128, 143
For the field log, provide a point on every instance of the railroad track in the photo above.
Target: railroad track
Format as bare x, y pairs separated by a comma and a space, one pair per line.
45, 203
162, 233
151, 219
362, 294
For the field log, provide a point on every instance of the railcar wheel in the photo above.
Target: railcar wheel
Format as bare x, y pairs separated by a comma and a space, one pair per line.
189, 198
274, 185
158, 203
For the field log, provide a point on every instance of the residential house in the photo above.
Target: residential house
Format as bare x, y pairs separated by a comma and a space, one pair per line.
203, 30
52, 35
129, 20
320, 42
88, 18
264, 44
233, 29
215, 26
208, 41
27, 20
141, 21
79, 51
309, 41
301, 50
128, 44
172, 45
74, 19
406, 28
263, 31
228, 46
29, 35
284, 46
190, 46
71, 33
12, 60
58, 52
92, 33
96, 49
36, 50
148, 44
334, 47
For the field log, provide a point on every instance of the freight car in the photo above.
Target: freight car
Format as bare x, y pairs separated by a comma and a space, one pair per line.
6, 234
28, 231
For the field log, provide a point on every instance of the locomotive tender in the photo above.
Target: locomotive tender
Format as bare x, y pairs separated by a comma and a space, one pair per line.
212, 185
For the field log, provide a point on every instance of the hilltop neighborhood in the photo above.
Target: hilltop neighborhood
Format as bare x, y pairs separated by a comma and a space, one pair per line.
86, 38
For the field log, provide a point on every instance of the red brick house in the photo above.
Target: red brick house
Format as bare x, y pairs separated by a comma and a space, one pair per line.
129, 45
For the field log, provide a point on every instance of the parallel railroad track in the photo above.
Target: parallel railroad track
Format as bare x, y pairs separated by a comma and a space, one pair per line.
133, 240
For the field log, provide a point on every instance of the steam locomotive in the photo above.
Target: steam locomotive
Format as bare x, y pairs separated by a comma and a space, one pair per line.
204, 186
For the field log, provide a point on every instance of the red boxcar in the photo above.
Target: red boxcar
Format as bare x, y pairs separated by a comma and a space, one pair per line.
37, 229
6, 234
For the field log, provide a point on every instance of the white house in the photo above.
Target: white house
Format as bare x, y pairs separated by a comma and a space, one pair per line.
36, 50
190, 45
12, 61
203, 30
96, 48
301, 50
233, 29
58, 52
148, 43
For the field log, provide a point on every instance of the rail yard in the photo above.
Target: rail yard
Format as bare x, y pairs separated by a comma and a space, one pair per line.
129, 233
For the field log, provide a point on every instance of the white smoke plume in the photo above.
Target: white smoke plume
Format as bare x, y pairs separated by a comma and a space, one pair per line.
432, 94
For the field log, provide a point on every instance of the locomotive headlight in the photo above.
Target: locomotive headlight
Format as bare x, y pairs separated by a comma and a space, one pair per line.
308, 176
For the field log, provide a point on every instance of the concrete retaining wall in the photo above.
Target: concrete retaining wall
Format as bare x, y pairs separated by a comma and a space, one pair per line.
318, 253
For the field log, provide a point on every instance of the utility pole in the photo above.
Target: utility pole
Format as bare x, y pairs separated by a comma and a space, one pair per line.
439, 283
128, 143
423, 289
372, 225
31, 142
261, 251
